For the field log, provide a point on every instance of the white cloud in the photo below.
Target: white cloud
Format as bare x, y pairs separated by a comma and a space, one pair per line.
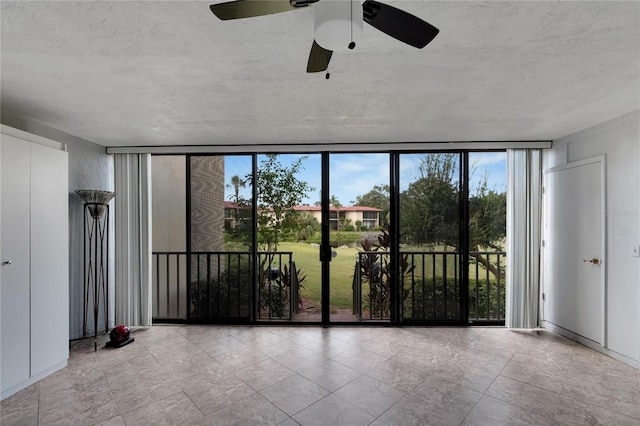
481, 160
356, 174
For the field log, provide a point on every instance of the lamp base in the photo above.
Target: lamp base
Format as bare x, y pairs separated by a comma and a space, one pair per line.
112, 344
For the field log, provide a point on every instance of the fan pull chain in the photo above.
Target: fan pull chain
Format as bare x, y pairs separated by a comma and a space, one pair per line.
352, 45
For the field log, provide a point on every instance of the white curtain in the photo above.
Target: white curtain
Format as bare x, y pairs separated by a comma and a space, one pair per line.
524, 200
133, 239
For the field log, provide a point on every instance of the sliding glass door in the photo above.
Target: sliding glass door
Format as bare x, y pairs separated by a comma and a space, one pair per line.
287, 231
431, 257
329, 238
360, 279
219, 228
487, 226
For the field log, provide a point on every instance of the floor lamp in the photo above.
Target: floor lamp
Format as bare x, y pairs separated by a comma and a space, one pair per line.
96, 257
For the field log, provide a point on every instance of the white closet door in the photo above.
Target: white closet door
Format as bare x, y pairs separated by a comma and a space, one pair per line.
14, 277
49, 257
575, 282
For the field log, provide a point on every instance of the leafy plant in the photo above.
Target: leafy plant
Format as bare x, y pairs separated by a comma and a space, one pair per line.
376, 272
276, 287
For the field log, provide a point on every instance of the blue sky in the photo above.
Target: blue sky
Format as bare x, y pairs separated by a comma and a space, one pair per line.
356, 174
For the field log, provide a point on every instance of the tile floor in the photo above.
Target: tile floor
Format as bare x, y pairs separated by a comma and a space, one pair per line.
219, 375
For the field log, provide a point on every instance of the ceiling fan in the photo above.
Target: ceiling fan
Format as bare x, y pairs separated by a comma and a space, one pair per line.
338, 23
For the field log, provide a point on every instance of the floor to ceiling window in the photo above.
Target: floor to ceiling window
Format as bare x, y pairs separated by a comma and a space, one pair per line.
287, 224
431, 256
169, 237
487, 225
359, 276
330, 237
219, 234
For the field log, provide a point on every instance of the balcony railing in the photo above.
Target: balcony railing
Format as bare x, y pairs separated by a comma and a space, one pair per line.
431, 286
169, 285
220, 286
487, 285
278, 286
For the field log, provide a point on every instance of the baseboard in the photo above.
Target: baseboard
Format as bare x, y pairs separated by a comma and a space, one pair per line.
590, 344
31, 380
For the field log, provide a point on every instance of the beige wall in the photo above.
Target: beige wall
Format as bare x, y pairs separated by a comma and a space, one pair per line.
168, 179
169, 203
207, 203
354, 215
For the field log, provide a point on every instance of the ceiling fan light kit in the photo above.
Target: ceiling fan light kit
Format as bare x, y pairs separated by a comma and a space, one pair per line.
337, 23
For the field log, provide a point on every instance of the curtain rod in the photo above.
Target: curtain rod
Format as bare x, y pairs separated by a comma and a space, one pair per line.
331, 147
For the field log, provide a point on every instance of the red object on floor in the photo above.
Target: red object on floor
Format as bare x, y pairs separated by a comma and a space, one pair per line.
119, 334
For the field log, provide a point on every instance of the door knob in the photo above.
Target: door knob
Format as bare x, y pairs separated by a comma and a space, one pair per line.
7, 262
595, 261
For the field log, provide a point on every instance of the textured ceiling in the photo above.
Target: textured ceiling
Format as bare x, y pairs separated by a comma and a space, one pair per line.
129, 73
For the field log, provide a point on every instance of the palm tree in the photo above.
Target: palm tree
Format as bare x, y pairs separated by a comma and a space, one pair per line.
307, 227
236, 184
334, 201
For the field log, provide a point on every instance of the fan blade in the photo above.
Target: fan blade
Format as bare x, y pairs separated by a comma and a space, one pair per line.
319, 58
249, 8
399, 24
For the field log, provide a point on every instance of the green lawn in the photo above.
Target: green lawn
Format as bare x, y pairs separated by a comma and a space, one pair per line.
307, 259
342, 269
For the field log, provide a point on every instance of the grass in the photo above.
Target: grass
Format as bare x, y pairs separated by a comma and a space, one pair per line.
307, 259
342, 237
342, 270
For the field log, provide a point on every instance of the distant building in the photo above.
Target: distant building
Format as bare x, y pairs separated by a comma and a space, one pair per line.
349, 215
369, 216
232, 214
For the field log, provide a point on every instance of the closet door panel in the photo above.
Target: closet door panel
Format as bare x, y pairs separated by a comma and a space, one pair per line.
49, 257
14, 277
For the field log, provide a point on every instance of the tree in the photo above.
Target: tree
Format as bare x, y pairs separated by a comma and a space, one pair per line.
378, 197
236, 184
430, 210
307, 226
336, 204
430, 205
487, 222
278, 191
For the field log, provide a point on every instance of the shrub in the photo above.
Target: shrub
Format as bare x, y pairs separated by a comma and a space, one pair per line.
224, 296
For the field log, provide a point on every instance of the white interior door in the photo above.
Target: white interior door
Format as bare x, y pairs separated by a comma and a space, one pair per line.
15, 262
49, 258
574, 248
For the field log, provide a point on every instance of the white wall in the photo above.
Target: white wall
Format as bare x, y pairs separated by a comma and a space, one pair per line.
90, 167
619, 141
